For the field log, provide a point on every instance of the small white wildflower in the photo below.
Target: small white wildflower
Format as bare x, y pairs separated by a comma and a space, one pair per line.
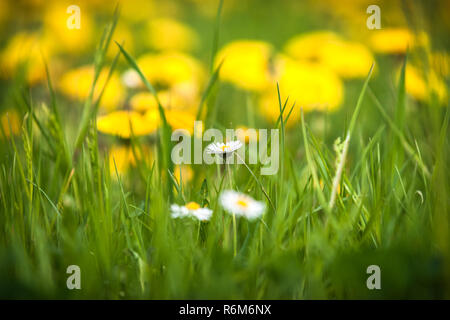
223, 148
241, 204
191, 209
131, 79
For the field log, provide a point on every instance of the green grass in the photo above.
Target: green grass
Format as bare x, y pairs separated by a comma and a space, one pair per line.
59, 205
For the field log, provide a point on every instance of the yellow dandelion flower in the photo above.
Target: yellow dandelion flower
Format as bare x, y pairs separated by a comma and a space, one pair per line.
347, 59
180, 120
25, 50
67, 40
414, 83
76, 84
420, 88
136, 10
312, 86
307, 46
170, 34
351, 14
246, 64
172, 69
10, 123
123, 157
440, 62
186, 173
118, 123
123, 36
177, 119
246, 135
143, 101
395, 40
5, 11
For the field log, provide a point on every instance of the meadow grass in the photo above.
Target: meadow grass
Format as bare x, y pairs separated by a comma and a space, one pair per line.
379, 195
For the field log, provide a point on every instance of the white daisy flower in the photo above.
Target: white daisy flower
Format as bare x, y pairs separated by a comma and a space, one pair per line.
191, 209
131, 79
223, 148
241, 204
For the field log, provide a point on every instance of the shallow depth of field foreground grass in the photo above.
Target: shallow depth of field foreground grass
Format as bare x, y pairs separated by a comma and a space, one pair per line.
64, 201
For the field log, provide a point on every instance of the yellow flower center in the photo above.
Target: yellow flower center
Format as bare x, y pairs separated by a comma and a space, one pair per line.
242, 202
192, 205
225, 147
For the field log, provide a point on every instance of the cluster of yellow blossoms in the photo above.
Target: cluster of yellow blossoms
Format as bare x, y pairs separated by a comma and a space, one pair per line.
312, 67
178, 78
126, 106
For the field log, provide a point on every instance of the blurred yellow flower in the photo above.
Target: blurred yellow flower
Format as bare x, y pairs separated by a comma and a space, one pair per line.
25, 50
186, 173
143, 101
246, 64
124, 157
135, 10
170, 34
395, 40
245, 135
121, 123
67, 40
421, 88
310, 85
440, 62
177, 119
5, 11
307, 46
124, 37
347, 59
351, 15
76, 84
10, 123
173, 70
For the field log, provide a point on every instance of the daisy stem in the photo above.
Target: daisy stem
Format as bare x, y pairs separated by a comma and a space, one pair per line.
219, 171
198, 231
260, 237
230, 179
234, 235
